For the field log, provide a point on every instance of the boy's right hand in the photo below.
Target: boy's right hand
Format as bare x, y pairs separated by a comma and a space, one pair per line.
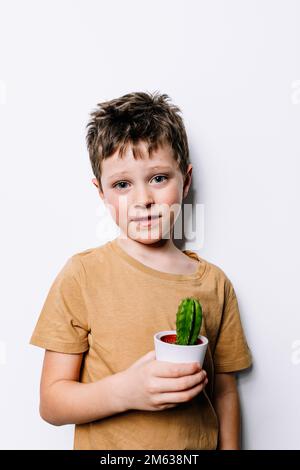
154, 385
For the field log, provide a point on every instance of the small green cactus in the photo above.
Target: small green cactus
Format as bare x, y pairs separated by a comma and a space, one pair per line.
188, 321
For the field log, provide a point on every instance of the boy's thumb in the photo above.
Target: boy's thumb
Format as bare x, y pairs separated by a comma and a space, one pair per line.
149, 356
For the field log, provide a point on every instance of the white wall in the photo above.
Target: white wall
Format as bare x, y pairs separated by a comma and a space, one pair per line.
234, 69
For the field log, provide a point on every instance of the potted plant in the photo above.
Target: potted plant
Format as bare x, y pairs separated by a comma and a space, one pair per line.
185, 344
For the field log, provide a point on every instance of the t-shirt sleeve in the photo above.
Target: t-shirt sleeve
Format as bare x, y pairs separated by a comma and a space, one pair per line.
231, 352
62, 325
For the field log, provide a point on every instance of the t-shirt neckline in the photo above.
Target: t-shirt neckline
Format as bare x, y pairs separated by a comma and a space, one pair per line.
198, 274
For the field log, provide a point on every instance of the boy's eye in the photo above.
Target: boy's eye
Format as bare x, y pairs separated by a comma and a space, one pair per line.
120, 182
161, 176
125, 182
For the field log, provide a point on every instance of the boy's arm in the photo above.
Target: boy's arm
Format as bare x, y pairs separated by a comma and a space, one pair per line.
226, 404
64, 400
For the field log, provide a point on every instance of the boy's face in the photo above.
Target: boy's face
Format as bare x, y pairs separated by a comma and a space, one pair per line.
133, 188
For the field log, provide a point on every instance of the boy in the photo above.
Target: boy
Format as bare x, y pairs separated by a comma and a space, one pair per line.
106, 303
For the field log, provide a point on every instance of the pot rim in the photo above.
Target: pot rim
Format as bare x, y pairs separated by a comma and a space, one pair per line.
172, 332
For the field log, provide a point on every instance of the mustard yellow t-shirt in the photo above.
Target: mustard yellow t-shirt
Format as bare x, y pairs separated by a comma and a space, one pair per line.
107, 304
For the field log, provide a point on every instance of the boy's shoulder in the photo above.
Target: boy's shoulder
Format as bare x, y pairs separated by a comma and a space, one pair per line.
217, 271
217, 275
86, 260
92, 253
89, 253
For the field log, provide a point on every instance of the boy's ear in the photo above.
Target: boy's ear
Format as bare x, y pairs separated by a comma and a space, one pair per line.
187, 180
95, 183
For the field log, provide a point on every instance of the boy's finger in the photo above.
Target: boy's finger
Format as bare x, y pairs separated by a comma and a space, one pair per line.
170, 369
179, 384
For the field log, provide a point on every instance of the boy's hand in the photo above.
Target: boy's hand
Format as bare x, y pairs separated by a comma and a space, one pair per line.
154, 385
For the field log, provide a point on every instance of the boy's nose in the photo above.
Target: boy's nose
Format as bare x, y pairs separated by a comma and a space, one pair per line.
143, 198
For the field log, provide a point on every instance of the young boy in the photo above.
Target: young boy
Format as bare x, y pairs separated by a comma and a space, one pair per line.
106, 303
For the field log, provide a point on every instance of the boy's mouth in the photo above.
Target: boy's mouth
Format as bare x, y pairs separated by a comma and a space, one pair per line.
143, 219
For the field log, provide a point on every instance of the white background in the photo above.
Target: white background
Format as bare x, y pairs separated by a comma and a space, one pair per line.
233, 67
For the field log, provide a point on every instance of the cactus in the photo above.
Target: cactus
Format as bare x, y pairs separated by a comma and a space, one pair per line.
188, 321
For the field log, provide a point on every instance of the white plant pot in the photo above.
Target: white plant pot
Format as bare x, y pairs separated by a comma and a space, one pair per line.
179, 353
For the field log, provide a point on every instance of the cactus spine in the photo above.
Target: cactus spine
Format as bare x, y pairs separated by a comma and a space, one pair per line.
188, 321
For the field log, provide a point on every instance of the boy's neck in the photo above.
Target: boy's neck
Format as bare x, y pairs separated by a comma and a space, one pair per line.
154, 251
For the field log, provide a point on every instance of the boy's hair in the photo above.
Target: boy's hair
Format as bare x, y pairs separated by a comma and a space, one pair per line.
132, 118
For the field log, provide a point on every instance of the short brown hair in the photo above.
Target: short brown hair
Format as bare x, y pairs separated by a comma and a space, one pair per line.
135, 117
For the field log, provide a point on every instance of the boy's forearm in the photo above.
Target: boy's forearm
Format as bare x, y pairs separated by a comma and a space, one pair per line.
228, 411
70, 402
